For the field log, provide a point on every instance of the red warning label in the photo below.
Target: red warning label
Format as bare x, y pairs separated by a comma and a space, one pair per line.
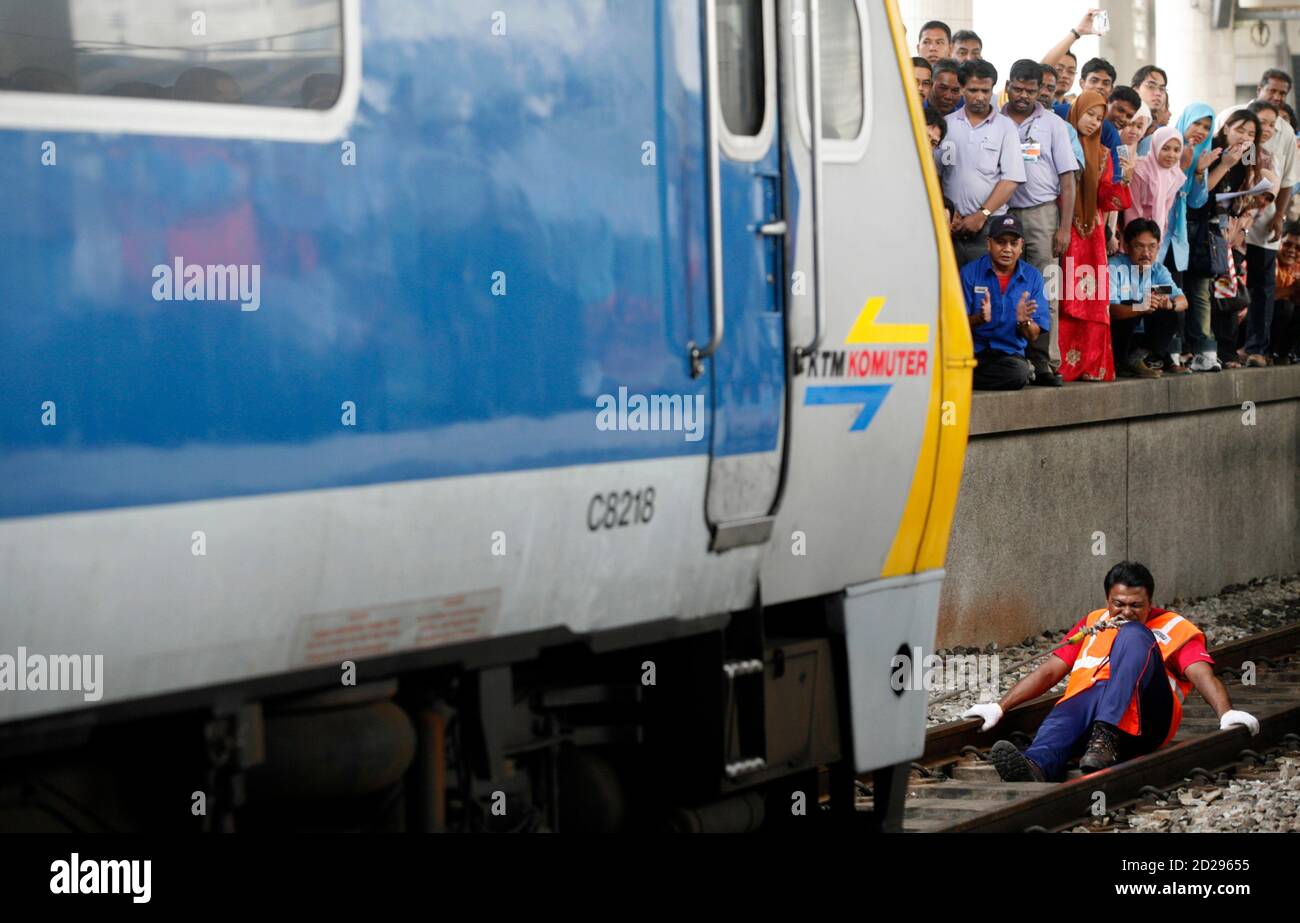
349, 634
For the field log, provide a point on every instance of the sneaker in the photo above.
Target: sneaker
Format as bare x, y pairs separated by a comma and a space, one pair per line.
1012, 765
1256, 362
1046, 378
1138, 369
1103, 748
1206, 362
1177, 370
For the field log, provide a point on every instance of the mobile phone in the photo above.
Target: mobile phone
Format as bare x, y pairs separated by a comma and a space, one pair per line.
981, 292
1162, 290
1101, 22
1122, 150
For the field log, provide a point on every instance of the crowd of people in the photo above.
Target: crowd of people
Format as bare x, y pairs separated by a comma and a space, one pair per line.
1099, 235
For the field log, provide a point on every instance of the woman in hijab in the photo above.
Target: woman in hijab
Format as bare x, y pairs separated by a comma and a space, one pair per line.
1134, 134
1130, 135
1085, 303
1195, 126
1158, 179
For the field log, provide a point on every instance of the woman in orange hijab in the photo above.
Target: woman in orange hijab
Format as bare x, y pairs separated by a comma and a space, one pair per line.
1085, 297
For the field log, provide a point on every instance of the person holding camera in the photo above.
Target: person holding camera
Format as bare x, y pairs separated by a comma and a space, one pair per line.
1007, 303
1142, 290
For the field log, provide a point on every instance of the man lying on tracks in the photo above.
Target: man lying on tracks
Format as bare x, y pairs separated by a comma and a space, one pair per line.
1131, 666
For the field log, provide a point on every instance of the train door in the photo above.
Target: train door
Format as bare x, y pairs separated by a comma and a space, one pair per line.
864, 308
747, 238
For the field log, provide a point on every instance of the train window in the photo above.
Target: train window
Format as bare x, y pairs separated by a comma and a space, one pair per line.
274, 53
840, 37
844, 40
742, 74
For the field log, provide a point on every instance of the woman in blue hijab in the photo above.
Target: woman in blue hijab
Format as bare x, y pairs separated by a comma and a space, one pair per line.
1196, 126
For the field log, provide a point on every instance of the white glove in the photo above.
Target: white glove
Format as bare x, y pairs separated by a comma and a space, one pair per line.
1234, 718
991, 712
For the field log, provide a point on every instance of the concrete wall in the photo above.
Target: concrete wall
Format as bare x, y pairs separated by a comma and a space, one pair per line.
1059, 485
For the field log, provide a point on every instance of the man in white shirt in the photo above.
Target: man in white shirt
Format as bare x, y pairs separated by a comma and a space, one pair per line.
980, 165
1265, 236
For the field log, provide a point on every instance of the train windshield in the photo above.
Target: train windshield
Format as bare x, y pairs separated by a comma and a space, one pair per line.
282, 53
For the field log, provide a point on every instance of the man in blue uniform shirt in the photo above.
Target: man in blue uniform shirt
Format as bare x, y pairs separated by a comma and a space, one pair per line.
1142, 290
1008, 307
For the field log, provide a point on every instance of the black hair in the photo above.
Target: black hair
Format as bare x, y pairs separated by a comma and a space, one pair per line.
922, 62
1274, 74
979, 70
1027, 71
1291, 229
1143, 73
1126, 95
932, 117
1285, 109
1131, 230
1130, 573
1260, 105
1071, 54
1242, 174
1238, 115
1098, 64
1048, 69
936, 24
966, 35
946, 66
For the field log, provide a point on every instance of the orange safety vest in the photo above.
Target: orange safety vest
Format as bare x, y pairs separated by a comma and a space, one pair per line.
1092, 665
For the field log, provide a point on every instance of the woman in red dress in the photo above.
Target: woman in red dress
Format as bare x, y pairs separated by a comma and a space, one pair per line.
1085, 298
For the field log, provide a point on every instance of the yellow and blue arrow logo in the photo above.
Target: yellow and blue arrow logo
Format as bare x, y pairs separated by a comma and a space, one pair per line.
867, 329
870, 396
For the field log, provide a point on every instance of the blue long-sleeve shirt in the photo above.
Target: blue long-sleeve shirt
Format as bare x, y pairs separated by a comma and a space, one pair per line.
1000, 332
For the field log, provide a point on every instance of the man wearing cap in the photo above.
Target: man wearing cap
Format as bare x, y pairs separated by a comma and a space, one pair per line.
1008, 307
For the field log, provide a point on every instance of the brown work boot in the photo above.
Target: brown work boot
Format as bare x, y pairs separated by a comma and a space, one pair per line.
1138, 369
1103, 748
1012, 765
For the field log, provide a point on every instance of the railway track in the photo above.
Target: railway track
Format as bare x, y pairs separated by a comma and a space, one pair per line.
953, 788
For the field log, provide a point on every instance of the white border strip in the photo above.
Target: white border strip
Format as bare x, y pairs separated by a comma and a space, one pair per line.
837, 150
117, 115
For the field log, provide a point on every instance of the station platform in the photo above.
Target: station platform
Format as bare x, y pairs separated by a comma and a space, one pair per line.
1195, 476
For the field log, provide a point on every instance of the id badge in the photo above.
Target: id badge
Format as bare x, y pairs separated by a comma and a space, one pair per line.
1031, 151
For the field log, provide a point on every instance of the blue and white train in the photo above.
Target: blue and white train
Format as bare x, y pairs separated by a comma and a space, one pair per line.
459, 415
